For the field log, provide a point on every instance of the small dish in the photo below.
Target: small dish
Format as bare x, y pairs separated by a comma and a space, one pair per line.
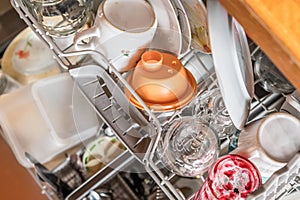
28, 59
197, 16
168, 33
232, 61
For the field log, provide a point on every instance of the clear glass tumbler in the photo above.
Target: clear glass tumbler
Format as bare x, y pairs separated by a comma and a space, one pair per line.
189, 147
60, 17
270, 78
210, 107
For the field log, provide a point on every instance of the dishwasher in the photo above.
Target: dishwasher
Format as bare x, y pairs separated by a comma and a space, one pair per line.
138, 172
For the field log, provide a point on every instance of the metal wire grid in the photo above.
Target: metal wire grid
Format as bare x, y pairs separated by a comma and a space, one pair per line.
259, 108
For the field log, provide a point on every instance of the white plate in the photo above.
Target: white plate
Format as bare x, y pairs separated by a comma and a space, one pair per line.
168, 33
232, 61
28, 59
197, 16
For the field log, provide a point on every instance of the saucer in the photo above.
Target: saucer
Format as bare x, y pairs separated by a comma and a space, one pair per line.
168, 33
169, 106
27, 58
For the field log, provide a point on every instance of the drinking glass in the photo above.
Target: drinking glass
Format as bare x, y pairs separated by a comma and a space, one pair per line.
188, 146
60, 17
270, 78
210, 107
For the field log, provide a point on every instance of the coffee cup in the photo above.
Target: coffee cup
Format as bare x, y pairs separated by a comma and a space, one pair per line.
122, 31
271, 142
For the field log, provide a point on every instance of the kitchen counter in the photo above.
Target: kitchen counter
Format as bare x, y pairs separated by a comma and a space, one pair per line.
274, 26
15, 181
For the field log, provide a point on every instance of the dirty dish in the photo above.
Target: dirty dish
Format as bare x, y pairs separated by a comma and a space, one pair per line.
28, 59
122, 31
210, 107
197, 16
233, 177
66, 112
279, 136
61, 18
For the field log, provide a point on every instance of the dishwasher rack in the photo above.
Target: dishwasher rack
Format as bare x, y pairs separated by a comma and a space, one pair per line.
147, 127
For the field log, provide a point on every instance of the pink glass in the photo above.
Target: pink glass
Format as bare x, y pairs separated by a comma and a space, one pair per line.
232, 177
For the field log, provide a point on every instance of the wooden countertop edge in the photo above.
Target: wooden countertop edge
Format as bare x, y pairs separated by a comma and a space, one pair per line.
270, 43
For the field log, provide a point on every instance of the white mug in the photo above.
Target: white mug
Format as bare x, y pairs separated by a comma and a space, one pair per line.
122, 31
270, 143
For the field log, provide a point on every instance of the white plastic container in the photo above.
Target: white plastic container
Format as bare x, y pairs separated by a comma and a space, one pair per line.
46, 118
65, 110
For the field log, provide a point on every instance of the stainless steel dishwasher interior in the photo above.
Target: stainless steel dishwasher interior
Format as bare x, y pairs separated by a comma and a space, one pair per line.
120, 180
133, 182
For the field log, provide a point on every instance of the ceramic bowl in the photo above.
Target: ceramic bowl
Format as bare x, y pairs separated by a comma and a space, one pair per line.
161, 81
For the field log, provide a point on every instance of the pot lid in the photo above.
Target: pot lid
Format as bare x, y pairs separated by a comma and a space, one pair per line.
233, 67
